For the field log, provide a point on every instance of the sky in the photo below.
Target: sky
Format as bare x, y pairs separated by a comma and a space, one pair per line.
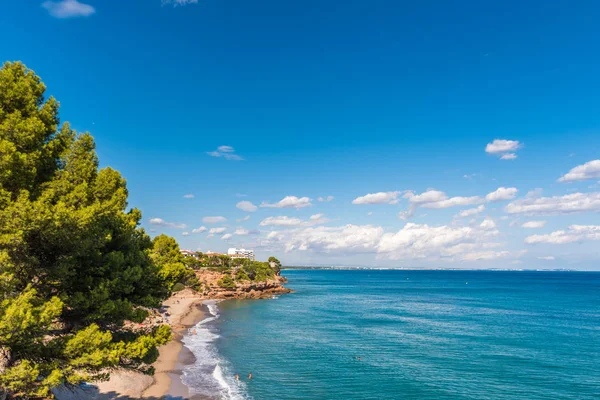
431, 134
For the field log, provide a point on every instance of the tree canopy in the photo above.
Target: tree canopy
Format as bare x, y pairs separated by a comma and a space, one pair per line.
74, 263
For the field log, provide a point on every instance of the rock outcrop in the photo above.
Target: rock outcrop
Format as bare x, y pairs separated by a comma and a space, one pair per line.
242, 290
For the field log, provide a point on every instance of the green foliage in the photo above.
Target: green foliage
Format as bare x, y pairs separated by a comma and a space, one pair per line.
241, 276
258, 271
178, 287
172, 266
74, 263
226, 282
275, 264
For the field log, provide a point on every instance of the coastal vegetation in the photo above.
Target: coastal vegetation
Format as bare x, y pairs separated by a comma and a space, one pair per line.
76, 268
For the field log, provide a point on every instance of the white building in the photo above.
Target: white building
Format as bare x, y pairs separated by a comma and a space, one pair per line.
241, 253
189, 253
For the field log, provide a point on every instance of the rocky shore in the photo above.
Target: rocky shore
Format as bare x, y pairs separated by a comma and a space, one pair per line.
243, 290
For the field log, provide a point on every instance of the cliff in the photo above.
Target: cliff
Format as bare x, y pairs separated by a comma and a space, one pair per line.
212, 286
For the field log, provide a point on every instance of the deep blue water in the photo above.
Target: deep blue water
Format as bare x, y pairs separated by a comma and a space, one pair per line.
419, 335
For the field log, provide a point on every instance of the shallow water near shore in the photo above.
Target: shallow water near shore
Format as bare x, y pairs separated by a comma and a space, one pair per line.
406, 335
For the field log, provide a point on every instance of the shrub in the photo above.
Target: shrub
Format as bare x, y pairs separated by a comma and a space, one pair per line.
178, 287
226, 282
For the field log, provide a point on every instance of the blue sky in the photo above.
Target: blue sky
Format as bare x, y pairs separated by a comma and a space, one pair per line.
339, 100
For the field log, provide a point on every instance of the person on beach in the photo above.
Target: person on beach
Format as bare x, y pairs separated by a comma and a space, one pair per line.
250, 376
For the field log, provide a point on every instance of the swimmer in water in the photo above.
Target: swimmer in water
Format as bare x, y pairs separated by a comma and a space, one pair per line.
250, 376
237, 377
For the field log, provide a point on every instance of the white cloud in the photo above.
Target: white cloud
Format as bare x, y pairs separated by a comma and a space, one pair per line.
502, 193
425, 197
316, 219
246, 206
227, 152
214, 219
556, 205
217, 230
377, 198
547, 258
162, 222
177, 3
454, 202
487, 224
504, 148
345, 239
471, 211
226, 236
435, 199
188, 196
575, 233
534, 224
199, 230
246, 218
589, 170
416, 241
185, 233
289, 202
412, 242
68, 9
485, 255
281, 221
324, 199
241, 232
508, 156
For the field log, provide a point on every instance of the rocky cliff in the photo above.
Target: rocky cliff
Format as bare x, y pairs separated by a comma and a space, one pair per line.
246, 289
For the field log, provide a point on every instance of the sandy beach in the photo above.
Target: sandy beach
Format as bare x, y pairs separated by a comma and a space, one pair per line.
183, 312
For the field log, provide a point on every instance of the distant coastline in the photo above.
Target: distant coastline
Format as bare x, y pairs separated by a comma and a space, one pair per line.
351, 268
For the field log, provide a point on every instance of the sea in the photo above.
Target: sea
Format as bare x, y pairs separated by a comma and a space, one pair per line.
405, 334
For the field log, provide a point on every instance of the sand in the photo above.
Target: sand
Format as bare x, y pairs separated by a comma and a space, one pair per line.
184, 312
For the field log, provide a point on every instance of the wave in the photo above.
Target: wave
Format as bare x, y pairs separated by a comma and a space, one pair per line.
209, 375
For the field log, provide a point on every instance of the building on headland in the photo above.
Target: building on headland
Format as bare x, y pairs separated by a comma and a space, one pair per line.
189, 253
234, 252
213, 254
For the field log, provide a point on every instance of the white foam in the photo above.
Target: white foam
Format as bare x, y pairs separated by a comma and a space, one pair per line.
209, 375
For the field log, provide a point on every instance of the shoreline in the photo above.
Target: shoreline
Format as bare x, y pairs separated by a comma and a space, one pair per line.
181, 311
185, 312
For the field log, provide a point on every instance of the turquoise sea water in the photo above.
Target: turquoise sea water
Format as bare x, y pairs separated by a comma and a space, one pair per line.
419, 335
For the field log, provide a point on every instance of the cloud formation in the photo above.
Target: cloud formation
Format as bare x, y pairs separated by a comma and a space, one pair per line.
502, 193
289, 202
378, 198
316, 219
199, 230
177, 3
212, 231
534, 224
505, 149
412, 242
226, 152
162, 222
188, 196
246, 206
556, 205
214, 219
575, 233
471, 211
589, 170
324, 199
226, 236
68, 9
